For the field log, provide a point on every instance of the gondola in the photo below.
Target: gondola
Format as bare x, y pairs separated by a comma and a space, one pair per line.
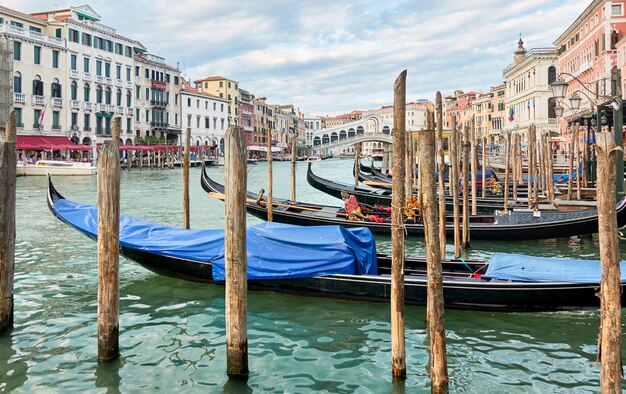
511, 226
382, 196
500, 284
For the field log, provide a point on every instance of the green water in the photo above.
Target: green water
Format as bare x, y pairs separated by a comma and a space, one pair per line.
172, 332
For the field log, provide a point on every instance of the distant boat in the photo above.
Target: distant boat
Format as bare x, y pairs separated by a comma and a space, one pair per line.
55, 167
252, 161
313, 159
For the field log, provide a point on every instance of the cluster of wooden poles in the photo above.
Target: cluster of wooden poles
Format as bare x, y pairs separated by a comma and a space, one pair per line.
433, 216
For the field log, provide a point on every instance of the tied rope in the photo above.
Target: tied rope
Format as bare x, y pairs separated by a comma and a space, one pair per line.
402, 224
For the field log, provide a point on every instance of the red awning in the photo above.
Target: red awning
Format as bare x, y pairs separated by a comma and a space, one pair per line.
36, 142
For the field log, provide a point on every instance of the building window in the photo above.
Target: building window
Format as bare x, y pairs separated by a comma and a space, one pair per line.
107, 70
551, 106
37, 87
86, 64
137, 114
221, 84
128, 73
74, 119
37, 54
175, 80
36, 117
18, 117
136, 71
214, 106
99, 67
86, 92
17, 50
188, 102
99, 94
197, 121
17, 82
147, 94
222, 123
55, 120
119, 97
207, 122
73, 61
198, 105
616, 10
118, 71
128, 95
55, 59
147, 73
86, 122
137, 92
176, 119
107, 96
74, 91
551, 74
188, 120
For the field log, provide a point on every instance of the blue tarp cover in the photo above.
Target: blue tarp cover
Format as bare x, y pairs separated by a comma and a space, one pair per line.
516, 267
275, 251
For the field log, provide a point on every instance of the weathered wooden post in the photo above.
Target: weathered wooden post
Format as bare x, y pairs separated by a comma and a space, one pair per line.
357, 163
7, 222
149, 161
466, 181
572, 150
385, 164
108, 247
473, 168
484, 166
235, 176
507, 155
454, 186
610, 338
294, 148
535, 169
435, 298
129, 159
398, 360
442, 170
531, 168
580, 167
408, 184
270, 181
186, 163
414, 161
514, 174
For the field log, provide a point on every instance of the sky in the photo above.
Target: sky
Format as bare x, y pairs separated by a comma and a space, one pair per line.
328, 57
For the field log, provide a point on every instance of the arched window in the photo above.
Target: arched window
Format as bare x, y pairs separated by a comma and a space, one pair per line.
551, 106
37, 86
74, 91
99, 94
128, 98
56, 88
551, 74
119, 97
17, 82
107, 96
614, 38
86, 92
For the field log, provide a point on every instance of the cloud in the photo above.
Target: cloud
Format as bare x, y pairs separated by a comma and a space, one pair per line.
328, 57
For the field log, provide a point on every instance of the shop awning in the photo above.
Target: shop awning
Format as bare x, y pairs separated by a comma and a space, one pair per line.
37, 142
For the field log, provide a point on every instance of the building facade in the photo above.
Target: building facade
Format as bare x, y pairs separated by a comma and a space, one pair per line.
498, 114
205, 115
224, 88
246, 114
528, 95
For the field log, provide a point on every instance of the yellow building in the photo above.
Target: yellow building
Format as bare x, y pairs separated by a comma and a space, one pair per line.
482, 115
498, 113
224, 88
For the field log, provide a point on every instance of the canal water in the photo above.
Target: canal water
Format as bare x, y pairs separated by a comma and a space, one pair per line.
172, 333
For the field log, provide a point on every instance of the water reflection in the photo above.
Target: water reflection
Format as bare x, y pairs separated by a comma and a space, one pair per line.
108, 375
13, 368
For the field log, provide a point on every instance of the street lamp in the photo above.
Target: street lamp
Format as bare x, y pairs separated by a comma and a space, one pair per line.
558, 111
575, 100
559, 88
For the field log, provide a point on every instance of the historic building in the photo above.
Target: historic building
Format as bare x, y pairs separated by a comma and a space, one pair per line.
224, 88
498, 114
41, 89
157, 101
246, 114
99, 63
528, 95
204, 114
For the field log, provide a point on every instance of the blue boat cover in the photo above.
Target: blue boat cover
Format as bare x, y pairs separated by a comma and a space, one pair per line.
521, 268
274, 251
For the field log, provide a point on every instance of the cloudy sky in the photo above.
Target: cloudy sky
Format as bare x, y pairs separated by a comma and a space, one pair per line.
332, 56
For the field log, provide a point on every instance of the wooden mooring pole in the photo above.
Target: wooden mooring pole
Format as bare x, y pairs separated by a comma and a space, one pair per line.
454, 186
357, 163
108, 247
572, 150
514, 166
483, 166
270, 181
610, 338
435, 300
235, 255
7, 223
186, 163
442, 170
398, 354
466, 180
473, 162
294, 148
507, 157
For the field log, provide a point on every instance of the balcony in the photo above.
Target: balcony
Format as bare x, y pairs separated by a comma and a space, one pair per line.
119, 110
129, 85
119, 83
74, 104
100, 130
33, 35
39, 100
129, 111
87, 106
57, 102
110, 108
158, 103
19, 98
87, 129
108, 81
87, 77
73, 74
158, 125
99, 79
56, 127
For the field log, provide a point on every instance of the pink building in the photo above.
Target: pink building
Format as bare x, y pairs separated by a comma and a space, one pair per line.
459, 105
588, 51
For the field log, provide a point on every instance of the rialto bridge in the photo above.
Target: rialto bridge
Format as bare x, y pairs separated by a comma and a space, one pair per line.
369, 129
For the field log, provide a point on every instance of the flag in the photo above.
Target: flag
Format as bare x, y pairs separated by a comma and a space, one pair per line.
40, 123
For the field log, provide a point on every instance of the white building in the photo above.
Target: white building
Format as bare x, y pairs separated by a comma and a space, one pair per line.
311, 124
528, 96
100, 70
40, 81
157, 101
205, 114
